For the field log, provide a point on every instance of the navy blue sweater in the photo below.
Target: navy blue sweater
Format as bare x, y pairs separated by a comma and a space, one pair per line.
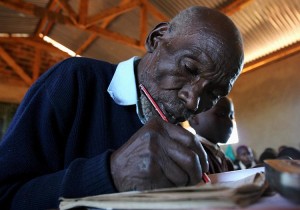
60, 140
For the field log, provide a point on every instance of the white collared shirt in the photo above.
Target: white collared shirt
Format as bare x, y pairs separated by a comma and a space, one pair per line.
122, 87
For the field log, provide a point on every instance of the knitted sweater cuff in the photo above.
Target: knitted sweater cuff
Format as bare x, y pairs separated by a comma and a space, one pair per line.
86, 177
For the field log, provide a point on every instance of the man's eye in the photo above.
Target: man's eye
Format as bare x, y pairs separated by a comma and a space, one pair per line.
191, 69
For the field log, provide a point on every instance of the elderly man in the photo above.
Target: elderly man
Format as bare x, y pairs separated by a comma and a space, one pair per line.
84, 128
212, 127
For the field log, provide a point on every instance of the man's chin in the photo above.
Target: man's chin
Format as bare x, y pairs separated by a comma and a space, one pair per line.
177, 120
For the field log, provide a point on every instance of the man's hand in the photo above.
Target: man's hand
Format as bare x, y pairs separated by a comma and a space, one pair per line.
159, 155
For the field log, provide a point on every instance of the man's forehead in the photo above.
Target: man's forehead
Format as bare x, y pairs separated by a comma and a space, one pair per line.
201, 36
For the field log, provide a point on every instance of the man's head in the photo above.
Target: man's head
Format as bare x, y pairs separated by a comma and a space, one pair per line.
245, 155
190, 63
215, 124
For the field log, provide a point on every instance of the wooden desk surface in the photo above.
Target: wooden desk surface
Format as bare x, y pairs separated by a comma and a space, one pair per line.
272, 202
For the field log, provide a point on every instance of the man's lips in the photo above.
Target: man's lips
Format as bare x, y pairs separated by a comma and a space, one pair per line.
180, 113
175, 118
169, 115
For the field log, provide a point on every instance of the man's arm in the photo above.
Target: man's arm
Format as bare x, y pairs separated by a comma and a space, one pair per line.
39, 155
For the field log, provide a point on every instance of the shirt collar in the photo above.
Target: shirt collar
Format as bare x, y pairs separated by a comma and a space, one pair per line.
122, 87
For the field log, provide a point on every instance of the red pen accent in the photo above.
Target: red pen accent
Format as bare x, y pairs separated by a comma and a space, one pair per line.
154, 104
205, 178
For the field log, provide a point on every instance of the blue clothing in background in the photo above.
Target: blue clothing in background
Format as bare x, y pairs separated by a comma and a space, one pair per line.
230, 153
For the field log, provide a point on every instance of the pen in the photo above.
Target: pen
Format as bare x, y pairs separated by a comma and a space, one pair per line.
205, 178
154, 104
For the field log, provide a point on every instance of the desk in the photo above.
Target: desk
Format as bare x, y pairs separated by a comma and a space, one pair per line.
234, 175
273, 202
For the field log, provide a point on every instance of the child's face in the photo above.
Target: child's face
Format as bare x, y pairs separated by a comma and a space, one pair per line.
245, 156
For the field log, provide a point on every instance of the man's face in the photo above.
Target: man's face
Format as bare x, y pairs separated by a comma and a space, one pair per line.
215, 124
175, 75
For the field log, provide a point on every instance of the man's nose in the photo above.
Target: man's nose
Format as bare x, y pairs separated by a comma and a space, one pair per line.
190, 94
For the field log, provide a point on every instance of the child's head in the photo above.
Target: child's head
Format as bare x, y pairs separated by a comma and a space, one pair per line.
245, 155
216, 124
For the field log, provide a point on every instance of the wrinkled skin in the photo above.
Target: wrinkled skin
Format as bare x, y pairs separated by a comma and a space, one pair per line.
173, 70
216, 124
159, 155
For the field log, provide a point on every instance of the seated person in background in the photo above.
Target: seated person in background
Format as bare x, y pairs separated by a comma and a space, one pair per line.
281, 148
289, 153
212, 127
268, 153
285, 152
244, 158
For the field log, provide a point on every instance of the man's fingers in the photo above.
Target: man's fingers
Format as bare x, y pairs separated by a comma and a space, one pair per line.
173, 172
202, 154
190, 141
187, 160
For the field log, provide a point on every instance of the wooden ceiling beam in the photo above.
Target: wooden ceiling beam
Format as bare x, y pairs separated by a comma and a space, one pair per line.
44, 19
34, 10
114, 36
234, 6
83, 11
31, 9
87, 43
143, 24
117, 10
34, 43
18, 69
94, 35
108, 20
50, 24
67, 8
275, 56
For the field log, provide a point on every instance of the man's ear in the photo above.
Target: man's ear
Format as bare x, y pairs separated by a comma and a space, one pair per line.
155, 35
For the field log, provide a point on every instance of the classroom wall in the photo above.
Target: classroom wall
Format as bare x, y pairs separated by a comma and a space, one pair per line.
267, 105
